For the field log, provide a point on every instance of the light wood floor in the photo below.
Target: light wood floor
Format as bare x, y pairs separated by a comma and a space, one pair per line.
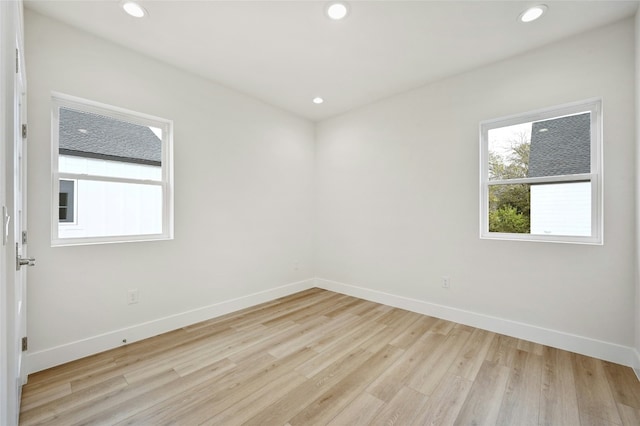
321, 358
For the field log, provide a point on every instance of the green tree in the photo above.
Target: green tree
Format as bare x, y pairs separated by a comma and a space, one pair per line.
508, 219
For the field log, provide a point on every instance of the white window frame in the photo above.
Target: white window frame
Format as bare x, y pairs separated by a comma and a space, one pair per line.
594, 106
60, 100
74, 202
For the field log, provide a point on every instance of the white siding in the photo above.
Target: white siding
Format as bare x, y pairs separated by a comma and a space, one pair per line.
561, 209
96, 167
112, 208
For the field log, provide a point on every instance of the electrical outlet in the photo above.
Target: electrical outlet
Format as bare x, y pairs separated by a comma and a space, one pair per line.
132, 296
446, 282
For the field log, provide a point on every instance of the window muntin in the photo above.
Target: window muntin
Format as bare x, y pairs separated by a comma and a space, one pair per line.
541, 175
120, 162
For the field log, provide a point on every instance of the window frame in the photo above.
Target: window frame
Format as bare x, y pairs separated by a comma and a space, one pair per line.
60, 100
594, 106
73, 202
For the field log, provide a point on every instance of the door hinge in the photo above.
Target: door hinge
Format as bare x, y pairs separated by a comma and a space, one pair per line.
17, 61
24, 237
25, 344
24, 131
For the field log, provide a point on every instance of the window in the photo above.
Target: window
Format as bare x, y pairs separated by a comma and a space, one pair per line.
112, 174
66, 204
541, 175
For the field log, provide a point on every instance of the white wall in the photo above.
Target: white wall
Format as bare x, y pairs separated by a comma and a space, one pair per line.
243, 199
398, 198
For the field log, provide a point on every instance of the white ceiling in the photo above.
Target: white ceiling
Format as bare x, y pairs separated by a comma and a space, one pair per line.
287, 52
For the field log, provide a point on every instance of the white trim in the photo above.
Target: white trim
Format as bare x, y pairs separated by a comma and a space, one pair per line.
607, 351
47, 358
636, 367
82, 176
583, 177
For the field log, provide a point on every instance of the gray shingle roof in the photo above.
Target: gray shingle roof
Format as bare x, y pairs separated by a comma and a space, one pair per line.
564, 148
89, 135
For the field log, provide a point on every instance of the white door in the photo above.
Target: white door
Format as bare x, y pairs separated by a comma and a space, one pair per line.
16, 199
12, 162
20, 222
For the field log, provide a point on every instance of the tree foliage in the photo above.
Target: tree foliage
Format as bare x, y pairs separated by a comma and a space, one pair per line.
508, 219
510, 204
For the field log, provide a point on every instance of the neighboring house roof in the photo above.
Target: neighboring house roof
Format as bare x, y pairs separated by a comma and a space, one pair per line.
89, 135
564, 148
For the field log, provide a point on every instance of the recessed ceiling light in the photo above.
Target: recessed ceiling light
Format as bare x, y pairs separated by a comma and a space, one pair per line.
134, 9
337, 11
532, 13
318, 100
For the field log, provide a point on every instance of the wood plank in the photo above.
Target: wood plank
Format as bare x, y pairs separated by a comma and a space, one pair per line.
264, 378
360, 412
415, 331
483, 403
473, 354
137, 402
521, 402
435, 367
442, 327
50, 411
445, 403
402, 409
335, 352
250, 405
176, 404
409, 365
51, 392
502, 350
330, 403
531, 347
623, 384
107, 402
592, 388
365, 324
558, 401
282, 410
630, 416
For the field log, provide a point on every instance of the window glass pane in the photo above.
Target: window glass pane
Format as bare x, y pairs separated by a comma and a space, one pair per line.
66, 201
541, 209
561, 146
561, 209
509, 208
106, 209
509, 152
554, 147
103, 146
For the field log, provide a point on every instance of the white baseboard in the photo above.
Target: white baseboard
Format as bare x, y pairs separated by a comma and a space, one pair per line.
636, 366
607, 351
51, 357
